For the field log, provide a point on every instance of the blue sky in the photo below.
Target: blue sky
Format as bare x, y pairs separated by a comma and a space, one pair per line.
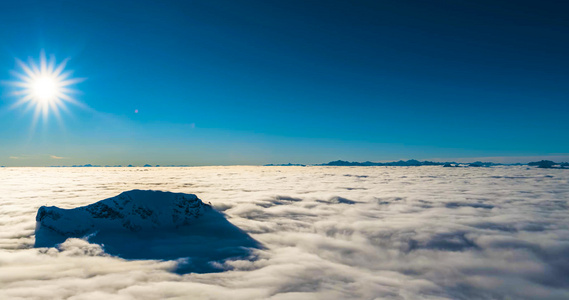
255, 82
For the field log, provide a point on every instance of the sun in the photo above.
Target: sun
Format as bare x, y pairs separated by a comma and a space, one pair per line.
44, 87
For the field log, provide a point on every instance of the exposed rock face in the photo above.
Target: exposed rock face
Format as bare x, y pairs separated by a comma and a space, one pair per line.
149, 225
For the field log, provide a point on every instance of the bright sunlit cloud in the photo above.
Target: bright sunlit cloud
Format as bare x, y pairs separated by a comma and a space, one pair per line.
44, 87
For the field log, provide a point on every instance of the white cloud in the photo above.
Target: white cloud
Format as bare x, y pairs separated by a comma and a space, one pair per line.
387, 233
35, 157
17, 157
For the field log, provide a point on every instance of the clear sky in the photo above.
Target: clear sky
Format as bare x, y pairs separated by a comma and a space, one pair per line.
254, 82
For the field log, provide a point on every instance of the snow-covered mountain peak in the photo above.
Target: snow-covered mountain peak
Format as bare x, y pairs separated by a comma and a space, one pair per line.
133, 211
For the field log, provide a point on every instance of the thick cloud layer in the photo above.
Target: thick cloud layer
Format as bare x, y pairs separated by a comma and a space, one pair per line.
329, 232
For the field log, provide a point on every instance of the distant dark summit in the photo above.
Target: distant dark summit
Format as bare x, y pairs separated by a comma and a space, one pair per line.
480, 164
548, 164
285, 165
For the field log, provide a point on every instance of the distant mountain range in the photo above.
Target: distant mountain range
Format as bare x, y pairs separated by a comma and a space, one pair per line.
545, 164
401, 163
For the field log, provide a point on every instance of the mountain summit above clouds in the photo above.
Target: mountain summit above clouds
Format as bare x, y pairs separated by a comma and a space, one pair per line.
148, 224
132, 211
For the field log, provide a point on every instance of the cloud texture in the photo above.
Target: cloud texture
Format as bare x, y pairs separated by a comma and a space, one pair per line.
329, 232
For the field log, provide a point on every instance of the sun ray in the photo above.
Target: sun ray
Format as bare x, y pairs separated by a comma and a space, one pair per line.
26, 69
51, 64
60, 67
44, 87
33, 66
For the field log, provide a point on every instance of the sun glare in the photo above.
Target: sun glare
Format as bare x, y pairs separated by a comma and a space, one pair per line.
44, 87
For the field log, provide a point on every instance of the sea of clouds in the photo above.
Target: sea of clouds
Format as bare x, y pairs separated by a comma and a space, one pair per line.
328, 232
